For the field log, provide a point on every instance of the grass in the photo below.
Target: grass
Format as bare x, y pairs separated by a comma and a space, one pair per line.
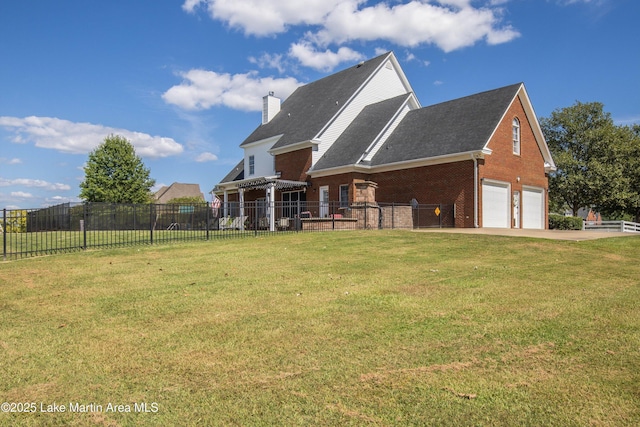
344, 328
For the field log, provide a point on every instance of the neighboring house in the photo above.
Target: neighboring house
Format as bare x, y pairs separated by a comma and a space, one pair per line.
176, 191
485, 153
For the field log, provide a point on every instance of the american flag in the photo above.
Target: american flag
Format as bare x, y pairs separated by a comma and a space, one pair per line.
215, 205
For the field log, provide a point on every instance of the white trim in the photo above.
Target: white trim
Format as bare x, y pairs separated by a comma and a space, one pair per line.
516, 136
516, 204
271, 139
313, 143
407, 164
323, 206
233, 185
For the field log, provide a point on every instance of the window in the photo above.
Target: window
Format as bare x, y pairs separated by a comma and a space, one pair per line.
252, 165
344, 196
516, 136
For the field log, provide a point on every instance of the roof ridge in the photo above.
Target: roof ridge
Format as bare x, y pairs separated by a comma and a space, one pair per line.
477, 94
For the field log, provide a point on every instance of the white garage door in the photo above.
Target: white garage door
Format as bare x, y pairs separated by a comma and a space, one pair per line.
495, 205
532, 208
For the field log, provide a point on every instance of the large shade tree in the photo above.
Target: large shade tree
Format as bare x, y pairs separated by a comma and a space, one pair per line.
115, 174
592, 158
631, 155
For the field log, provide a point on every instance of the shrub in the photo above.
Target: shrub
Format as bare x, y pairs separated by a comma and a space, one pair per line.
561, 222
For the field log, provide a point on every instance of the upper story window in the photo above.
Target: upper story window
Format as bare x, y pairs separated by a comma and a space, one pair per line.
516, 136
252, 165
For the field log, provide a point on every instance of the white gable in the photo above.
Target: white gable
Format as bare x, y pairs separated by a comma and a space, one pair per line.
387, 82
263, 161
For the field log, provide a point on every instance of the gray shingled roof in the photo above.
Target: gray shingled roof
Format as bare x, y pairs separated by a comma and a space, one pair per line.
457, 126
178, 190
236, 174
351, 145
310, 107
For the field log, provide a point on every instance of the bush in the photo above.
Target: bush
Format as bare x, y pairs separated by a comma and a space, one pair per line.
561, 222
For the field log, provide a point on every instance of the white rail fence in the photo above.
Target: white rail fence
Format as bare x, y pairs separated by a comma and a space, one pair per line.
623, 226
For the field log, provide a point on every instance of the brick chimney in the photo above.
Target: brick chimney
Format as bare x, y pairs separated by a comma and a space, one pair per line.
270, 107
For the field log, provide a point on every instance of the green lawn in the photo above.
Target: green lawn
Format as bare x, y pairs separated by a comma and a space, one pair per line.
342, 328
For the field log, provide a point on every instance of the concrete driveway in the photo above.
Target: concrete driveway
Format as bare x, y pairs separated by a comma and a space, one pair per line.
575, 235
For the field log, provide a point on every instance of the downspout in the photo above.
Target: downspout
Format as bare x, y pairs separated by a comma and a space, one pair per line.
475, 191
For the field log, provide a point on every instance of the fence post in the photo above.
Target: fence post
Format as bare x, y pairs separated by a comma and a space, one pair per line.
84, 225
208, 219
4, 234
366, 215
333, 218
257, 218
393, 215
152, 208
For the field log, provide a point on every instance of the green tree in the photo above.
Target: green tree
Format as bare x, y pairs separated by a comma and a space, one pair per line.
588, 149
115, 174
630, 153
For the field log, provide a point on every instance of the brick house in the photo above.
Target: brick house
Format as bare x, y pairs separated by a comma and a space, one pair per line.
176, 191
484, 154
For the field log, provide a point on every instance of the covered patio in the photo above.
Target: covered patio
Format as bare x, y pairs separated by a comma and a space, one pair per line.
267, 184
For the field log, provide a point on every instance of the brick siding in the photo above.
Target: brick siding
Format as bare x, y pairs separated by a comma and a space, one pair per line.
503, 165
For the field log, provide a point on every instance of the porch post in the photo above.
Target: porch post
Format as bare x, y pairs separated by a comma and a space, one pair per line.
226, 204
241, 193
271, 196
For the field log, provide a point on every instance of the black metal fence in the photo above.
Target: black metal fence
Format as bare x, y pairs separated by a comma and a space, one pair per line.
71, 227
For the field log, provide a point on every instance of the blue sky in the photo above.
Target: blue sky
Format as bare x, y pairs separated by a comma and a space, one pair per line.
183, 79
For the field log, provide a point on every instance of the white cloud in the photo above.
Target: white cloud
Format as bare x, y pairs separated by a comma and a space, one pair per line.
570, 2
322, 61
81, 138
327, 26
269, 61
206, 157
190, 5
266, 17
35, 183
21, 194
447, 24
14, 161
415, 23
202, 89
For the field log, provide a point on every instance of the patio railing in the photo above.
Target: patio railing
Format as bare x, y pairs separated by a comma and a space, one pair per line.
72, 227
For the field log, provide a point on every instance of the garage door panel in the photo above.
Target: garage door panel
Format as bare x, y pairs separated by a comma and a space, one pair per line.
533, 208
495, 205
